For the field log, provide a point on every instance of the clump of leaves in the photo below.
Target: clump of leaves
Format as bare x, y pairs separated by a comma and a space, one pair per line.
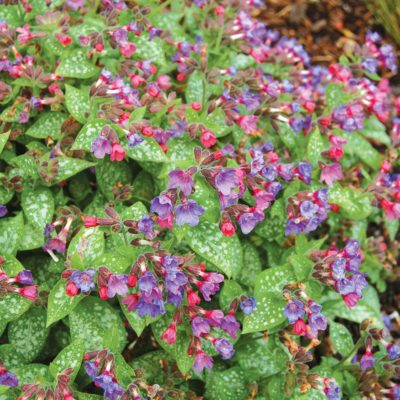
190, 209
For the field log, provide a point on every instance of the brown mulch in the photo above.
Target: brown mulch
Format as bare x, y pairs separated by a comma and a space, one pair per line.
326, 28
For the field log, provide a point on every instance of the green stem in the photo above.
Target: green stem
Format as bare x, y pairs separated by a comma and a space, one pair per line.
347, 359
125, 236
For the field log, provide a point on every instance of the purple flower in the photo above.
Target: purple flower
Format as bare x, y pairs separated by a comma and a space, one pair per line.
162, 205
134, 139
224, 348
332, 390
112, 391
170, 262
230, 325
352, 247
339, 268
188, 213
101, 146
248, 305
174, 280
367, 361
182, 180
294, 226
151, 303
7, 378
248, 221
294, 310
84, 280
257, 163
393, 351
91, 369
200, 326
25, 277
117, 284
146, 226
147, 282
297, 124
226, 181
304, 171
3, 211
308, 209
331, 173
314, 307
317, 322
202, 361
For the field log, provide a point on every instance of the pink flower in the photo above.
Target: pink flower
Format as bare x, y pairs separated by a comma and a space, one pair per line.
392, 210
331, 173
29, 292
208, 139
127, 49
248, 123
117, 152
169, 334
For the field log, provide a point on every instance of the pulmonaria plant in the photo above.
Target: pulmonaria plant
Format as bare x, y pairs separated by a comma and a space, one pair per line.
189, 208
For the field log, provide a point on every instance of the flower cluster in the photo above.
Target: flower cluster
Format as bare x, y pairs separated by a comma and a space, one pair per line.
386, 188
340, 269
304, 314
21, 284
62, 389
306, 211
107, 143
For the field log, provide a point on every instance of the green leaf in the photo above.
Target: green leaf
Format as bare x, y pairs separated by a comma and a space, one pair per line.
88, 243
252, 261
184, 361
260, 357
375, 130
123, 371
194, 89
367, 307
59, 303
68, 167
137, 114
38, 206
392, 227
3, 140
116, 263
341, 337
148, 150
28, 334
76, 65
315, 147
77, 102
70, 357
227, 385
33, 238
208, 198
92, 320
270, 304
137, 323
109, 174
359, 146
224, 252
88, 134
353, 203
216, 123
230, 290
11, 233
31, 373
336, 96
147, 49
47, 125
